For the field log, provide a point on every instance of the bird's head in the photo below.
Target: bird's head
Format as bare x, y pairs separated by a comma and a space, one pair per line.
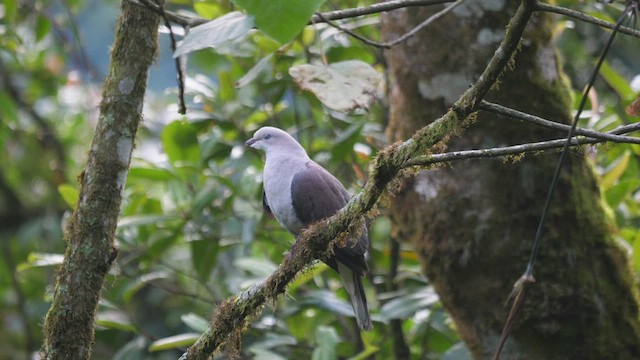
271, 139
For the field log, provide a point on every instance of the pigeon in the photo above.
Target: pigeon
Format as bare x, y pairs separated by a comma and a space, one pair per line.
299, 192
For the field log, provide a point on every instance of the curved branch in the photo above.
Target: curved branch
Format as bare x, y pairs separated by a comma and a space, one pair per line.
232, 315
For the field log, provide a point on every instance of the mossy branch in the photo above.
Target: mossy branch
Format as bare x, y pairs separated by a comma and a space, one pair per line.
232, 315
69, 324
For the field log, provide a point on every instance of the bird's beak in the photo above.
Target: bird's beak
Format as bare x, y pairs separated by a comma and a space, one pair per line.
250, 142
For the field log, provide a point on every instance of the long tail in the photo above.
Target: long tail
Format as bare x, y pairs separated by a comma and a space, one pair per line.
353, 284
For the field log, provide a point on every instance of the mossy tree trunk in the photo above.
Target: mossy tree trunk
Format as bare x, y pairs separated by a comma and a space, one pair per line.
69, 325
473, 223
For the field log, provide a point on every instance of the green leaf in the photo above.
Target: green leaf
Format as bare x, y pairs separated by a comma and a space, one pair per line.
180, 141
256, 70
215, 33
281, 19
203, 255
207, 9
327, 341
636, 251
615, 171
141, 282
405, 306
114, 319
139, 220
344, 86
173, 342
43, 27
38, 259
195, 322
616, 81
150, 173
70, 194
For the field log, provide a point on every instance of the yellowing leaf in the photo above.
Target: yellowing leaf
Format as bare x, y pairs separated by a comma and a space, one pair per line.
70, 194
611, 176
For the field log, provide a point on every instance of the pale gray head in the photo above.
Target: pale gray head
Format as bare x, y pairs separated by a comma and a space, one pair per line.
274, 140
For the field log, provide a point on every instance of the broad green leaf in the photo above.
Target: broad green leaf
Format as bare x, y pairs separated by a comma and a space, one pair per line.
180, 141
457, 352
114, 319
620, 191
38, 259
135, 349
614, 173
195, 322
616, 81
69, 194
343, 86
265, 354
281, 19
256, 70
149, 173
329, 301
43, 27
204, 255
259, 267
173, 342
636, 251
207, 9
215, 33
326, 343
139, 220
405, 306
141, 282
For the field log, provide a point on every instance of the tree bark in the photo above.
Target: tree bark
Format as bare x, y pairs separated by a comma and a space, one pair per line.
69, 324
473, 224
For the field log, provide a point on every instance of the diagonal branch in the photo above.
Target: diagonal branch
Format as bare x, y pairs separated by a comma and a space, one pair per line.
231, 317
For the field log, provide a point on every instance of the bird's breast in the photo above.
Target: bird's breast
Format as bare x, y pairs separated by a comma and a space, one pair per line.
278, 174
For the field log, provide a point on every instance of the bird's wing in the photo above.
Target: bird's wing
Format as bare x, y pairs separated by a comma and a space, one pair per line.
315, 195
265, 204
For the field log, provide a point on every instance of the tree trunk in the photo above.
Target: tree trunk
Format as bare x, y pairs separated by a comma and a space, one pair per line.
69, 325
473, 224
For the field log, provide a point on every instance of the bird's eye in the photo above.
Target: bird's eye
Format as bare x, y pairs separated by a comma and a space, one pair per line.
267, 137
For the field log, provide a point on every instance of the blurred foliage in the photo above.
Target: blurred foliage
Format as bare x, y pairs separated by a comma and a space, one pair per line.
192, 232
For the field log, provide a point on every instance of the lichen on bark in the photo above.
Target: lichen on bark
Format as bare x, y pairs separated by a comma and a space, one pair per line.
69, 324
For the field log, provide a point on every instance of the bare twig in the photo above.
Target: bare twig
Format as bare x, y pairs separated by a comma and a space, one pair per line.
505, 111
191, 21
428, 160
586, 18
182, 108
405, 37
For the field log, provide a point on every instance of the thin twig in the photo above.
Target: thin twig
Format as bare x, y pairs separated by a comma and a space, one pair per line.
182, 108
586, 18
376, 8
505, 111
428, 160
191, 21
405, 37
